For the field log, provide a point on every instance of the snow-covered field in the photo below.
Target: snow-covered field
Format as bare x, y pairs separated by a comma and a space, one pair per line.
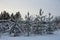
55, 36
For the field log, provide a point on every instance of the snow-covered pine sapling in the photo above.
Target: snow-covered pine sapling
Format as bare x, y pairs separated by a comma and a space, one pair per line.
50, 26
16, 28
39, 23
28, 24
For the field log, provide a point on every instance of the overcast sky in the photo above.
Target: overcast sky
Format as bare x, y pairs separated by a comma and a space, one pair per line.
33, 6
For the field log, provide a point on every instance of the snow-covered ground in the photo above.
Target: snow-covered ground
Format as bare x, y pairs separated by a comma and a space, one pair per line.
55, 36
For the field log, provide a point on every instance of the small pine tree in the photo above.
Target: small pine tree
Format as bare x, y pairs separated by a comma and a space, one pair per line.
50, 26
28, 24
39, 23
16, 28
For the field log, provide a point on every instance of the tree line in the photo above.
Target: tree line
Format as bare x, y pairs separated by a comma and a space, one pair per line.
41, 24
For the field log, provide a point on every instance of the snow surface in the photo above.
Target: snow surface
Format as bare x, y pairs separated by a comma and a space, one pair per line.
55, 36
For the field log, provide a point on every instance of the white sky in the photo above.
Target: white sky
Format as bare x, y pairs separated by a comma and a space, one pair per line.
33, 6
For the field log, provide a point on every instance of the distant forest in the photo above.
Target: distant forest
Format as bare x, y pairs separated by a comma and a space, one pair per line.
15, 25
